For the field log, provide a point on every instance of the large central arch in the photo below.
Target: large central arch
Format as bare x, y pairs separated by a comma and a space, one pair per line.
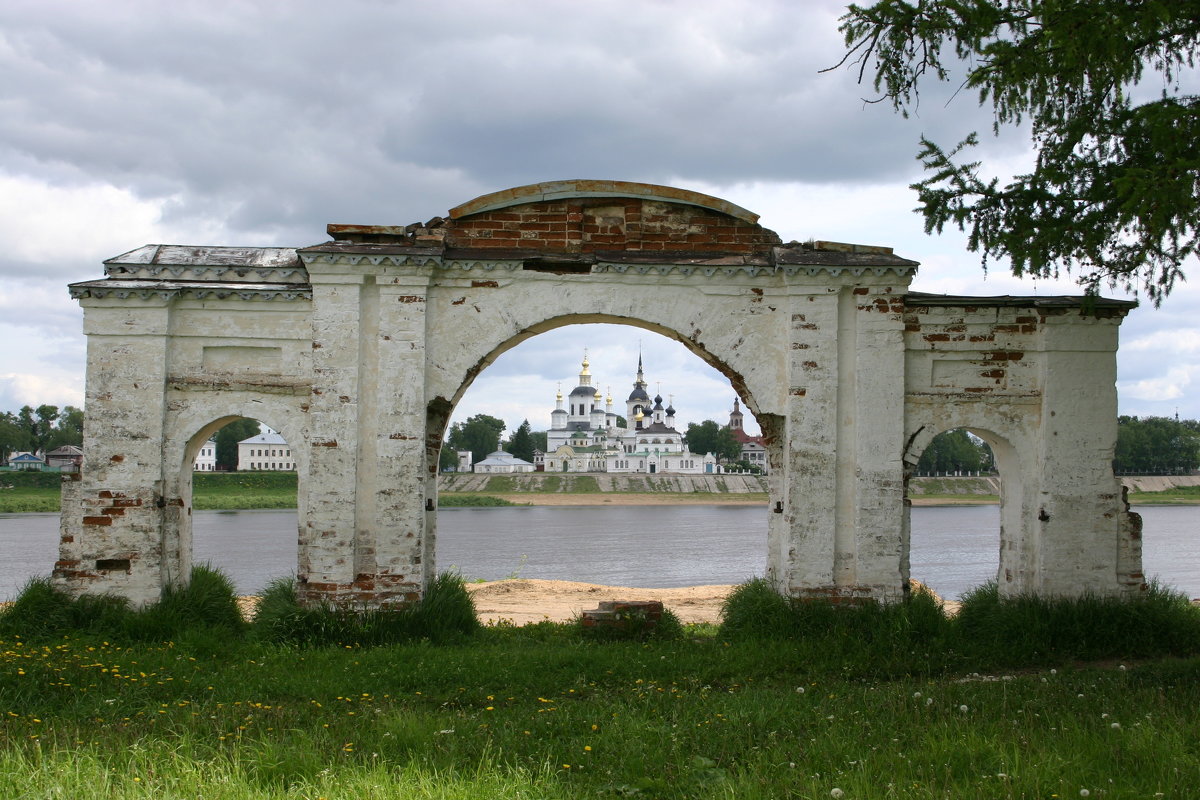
359, 348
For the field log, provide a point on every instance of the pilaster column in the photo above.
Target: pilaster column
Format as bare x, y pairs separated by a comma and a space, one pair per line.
112, 520
1082, 543
327, 555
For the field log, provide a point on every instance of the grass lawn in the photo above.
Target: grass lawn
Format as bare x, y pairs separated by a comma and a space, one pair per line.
898, 705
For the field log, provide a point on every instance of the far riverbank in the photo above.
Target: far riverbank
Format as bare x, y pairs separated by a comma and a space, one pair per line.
39, 492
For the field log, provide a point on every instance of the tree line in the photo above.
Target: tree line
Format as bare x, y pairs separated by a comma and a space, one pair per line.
1145, 445
41, 429
1157, 446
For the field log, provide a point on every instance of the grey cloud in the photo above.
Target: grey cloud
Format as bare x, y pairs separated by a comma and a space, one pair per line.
276, 119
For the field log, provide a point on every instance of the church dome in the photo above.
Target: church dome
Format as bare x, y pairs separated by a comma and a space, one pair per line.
639, 393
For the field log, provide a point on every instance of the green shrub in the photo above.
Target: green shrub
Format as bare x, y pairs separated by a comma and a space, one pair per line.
1030, 630
755, 610
207, 603
30, 479
472, 501
446, 613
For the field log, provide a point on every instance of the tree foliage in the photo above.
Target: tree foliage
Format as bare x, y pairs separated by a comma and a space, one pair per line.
956, 451
480, 434
447, 458
1103, 86
521, 443
39, 430
1157, 446
228, 438
709, 437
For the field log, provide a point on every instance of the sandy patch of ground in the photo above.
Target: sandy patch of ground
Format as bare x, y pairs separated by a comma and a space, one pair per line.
526, 600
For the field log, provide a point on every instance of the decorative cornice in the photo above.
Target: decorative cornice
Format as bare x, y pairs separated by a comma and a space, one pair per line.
371, 259
168, 290
685, 270
812, 271
220, 274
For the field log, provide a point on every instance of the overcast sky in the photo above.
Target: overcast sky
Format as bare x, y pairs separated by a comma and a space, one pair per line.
256, 123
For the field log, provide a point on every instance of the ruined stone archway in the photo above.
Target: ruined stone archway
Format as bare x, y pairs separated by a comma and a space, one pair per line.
363, 344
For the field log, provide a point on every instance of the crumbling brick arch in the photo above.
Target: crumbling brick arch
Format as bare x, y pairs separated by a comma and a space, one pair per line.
186, 431
458, 369
361, 346
462, 367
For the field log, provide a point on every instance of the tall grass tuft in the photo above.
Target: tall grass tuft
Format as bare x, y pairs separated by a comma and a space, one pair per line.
1030, 630
208, 602
755, 610
906, 638
41, 610
445, 614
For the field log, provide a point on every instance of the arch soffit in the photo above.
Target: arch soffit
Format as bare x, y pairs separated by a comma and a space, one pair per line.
1008, 444
191, 429
465, 364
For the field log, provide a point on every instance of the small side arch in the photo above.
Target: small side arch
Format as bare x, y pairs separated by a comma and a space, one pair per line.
1013, 452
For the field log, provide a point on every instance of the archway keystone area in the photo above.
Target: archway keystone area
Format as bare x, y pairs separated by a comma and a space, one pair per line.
358, 349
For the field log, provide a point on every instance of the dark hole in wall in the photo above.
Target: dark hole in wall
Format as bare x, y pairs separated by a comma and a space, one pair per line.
112, 564
558, 267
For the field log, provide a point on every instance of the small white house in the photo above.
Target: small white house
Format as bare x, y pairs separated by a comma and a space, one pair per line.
266, 451
206, 459
501, 461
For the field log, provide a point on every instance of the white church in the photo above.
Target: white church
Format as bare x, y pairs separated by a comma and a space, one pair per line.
587, 435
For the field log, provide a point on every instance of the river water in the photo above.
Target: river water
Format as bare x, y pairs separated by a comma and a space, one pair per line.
954, 548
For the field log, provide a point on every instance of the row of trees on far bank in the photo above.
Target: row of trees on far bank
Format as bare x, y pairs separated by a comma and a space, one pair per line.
1145, 445
1157, 446
956, 451
40, 429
